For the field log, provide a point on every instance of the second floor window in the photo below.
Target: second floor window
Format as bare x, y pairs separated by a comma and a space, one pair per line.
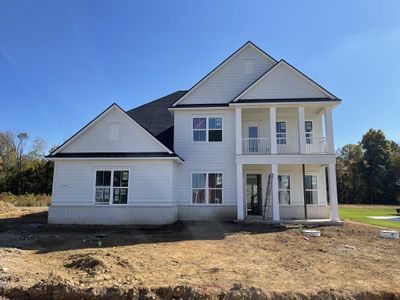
309, 132
281, 133
207, 129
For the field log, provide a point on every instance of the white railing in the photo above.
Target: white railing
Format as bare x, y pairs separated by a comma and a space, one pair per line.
316, 145
287, 145
256, 145
284, 145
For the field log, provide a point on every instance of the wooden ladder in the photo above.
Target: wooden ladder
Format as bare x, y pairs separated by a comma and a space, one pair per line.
268, 197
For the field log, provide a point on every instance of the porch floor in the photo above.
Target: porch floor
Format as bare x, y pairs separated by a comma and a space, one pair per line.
259, 219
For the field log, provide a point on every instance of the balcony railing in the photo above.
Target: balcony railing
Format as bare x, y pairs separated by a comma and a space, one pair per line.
287, 145
316, 145
284, 145
256, 146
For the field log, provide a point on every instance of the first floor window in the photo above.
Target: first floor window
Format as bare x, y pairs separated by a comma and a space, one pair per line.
311, 189
207, 188
199, 188
103, 187
284, 189
112, 185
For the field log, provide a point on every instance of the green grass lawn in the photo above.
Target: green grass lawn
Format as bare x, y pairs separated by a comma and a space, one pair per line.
359, 214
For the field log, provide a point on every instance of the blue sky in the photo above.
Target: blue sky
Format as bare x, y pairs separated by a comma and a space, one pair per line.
63, 62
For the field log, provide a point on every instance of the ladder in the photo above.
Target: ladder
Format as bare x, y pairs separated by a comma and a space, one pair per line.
268, 197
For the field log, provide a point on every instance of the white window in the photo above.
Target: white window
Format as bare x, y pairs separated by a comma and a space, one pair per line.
311, 186
248, 66
284, 189
207, 188
112, 184
113, 132
309, 132
207, 129
281, 133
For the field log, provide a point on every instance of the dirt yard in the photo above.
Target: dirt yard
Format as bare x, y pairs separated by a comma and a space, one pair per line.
193, 261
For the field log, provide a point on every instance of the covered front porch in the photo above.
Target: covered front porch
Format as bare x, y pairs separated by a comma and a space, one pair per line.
287, 192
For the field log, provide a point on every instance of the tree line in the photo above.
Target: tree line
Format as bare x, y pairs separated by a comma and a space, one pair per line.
24, 170
369, 172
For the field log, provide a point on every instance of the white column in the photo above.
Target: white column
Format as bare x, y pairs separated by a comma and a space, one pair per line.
275, 197
333, 192
272, 128
302, 132
238, 122
329, 130
239, 192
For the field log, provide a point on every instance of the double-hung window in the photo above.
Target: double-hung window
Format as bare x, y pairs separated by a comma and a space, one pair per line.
309, 132
207, 129
311, 189
112, 185
284, 189
281, 133
207, 188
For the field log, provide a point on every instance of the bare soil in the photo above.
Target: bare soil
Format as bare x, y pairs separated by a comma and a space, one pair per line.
193, 261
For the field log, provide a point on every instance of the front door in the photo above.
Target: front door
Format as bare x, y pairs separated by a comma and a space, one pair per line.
254, 194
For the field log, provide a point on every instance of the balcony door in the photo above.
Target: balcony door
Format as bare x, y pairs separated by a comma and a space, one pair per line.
253, 133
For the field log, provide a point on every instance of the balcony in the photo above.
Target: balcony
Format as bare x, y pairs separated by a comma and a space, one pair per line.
288, 145
284, 130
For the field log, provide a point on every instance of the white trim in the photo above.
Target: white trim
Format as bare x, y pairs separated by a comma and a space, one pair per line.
200, 108
113, 158
290, 68
207, 172
209, 75
101, 116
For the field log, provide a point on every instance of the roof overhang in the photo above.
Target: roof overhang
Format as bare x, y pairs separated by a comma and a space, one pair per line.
114, 156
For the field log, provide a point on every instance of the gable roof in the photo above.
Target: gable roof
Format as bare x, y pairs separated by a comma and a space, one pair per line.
155, 118
221, 65
282, 62
99, 117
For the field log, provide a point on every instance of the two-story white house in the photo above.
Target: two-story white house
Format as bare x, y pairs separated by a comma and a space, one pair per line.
252, 139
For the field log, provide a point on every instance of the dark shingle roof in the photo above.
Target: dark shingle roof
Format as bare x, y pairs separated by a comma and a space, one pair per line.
155, 118
112, 154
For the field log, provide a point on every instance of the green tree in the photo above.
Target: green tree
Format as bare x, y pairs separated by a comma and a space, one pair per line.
377, 170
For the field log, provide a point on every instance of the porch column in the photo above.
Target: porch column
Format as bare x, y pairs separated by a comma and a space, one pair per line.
238, 122
275, 197
329, 130
272, 128
239, 192
302, 132
333, 192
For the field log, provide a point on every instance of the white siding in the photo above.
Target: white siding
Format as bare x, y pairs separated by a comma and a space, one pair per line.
150, 181
205, 156
232, 79
283, 83
131, 138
